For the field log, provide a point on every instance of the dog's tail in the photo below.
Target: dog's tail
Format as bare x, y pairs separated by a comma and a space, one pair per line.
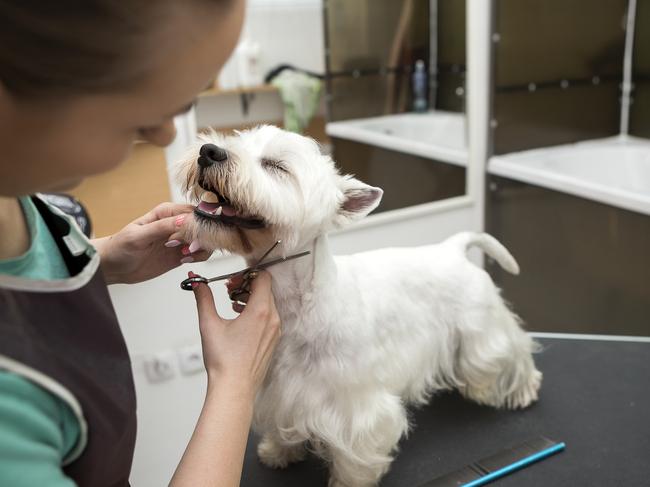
488, 244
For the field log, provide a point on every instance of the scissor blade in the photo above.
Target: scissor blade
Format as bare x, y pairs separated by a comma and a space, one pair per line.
266, 254
281, 259
228, 276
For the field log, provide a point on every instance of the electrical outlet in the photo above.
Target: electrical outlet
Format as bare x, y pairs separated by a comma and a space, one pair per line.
190, 359
159, 367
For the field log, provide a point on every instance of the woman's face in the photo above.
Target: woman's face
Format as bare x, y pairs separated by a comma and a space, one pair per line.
52, 146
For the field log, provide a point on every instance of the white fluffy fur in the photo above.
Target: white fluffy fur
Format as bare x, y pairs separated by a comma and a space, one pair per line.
364, 335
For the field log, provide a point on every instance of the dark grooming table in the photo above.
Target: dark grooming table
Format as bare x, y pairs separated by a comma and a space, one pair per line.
595, 397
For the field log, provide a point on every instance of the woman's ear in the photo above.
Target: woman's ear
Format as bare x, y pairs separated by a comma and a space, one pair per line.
357, 200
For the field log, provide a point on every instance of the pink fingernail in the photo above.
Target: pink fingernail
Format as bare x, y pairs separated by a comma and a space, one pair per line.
187, 260
173, 243
179, 220
194, 246
191, 274
186, 250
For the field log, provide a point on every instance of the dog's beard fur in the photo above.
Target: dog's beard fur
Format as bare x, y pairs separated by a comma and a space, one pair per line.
363, 335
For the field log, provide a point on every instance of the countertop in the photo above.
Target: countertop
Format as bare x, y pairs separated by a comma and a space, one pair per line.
595, 397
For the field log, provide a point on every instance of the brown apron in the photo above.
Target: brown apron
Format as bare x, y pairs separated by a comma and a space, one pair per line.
64, 336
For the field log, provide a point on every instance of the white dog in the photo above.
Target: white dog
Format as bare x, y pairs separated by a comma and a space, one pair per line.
364, 335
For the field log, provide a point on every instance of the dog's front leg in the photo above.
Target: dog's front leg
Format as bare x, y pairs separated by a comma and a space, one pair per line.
275, 453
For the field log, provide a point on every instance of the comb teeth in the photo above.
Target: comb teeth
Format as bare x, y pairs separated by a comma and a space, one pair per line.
512, 455
471, 473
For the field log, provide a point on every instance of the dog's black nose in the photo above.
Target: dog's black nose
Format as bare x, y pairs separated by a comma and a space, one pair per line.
211, 154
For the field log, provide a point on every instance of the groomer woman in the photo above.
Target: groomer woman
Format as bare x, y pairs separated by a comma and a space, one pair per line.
80, 80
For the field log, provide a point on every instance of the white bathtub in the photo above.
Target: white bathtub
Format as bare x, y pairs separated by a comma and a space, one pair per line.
433, 135
614, 171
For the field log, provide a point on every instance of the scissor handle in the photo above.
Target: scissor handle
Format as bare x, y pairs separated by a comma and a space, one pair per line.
187, 283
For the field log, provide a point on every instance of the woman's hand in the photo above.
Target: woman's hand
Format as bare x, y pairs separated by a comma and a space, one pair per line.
142, 250
238, 352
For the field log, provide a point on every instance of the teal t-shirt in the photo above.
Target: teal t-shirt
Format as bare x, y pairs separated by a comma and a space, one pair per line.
37, 428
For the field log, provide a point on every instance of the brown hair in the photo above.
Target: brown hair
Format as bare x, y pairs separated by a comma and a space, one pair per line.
63, 47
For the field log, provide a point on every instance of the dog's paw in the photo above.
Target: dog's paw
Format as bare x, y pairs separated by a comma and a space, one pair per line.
526, 395
522, 396
274, 455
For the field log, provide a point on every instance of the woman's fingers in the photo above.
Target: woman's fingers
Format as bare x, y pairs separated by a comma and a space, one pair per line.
164, 210
159, 229
260, 301
201, 255
234, 283
190, 251
204, 303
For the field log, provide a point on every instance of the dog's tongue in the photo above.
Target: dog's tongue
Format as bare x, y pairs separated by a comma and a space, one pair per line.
208, 207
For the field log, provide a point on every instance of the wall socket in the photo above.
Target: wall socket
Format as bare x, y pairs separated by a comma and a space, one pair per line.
159, 367
190, 359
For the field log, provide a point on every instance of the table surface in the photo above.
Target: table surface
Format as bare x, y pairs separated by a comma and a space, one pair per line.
595, 397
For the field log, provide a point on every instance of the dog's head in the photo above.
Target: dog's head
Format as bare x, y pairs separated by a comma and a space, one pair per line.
266, 184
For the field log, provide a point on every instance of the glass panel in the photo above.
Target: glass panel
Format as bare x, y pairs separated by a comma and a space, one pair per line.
451, 32
451, 92
544, 40
368, 96
373, 34
640, 109
641, 55
406, 179
553, 116
585, 265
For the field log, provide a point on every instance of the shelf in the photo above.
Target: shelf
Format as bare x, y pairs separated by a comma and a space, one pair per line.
238, 91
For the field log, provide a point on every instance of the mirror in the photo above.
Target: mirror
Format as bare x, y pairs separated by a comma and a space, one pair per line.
395, 96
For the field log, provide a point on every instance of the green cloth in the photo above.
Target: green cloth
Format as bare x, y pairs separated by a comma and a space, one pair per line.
43, 259
37, 428
300, 94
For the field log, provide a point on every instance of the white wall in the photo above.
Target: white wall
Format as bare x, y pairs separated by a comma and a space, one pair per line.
275, 25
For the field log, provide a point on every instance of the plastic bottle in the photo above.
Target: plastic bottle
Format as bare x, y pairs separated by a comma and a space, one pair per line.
419, 87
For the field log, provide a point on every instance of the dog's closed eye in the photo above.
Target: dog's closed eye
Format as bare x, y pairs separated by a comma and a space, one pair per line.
274, 164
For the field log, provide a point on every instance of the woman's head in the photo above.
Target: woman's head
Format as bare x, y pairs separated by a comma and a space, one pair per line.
81, 79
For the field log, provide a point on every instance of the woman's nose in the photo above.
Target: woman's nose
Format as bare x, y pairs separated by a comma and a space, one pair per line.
161, 135
210, 154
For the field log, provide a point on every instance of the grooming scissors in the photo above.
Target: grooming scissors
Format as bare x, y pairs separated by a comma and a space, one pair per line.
247, 274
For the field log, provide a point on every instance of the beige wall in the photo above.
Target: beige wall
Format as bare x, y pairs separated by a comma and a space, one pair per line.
117, 197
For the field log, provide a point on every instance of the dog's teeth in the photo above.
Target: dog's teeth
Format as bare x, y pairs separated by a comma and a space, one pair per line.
218, 211
209, 197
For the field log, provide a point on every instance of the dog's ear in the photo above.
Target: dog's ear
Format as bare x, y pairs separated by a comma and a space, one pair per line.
358, 199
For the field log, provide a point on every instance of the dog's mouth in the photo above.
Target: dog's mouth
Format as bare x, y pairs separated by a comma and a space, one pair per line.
218, 208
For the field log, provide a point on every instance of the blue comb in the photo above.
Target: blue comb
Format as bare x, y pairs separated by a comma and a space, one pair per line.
496, 466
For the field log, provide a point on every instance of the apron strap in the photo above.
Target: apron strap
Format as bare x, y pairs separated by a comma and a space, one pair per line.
59, 228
